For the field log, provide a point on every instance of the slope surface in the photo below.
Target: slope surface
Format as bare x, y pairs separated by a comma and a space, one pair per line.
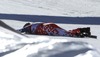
48, 46
51, 7
94, 31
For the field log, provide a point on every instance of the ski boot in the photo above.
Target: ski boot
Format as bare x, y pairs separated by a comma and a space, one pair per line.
85, 32
80, 32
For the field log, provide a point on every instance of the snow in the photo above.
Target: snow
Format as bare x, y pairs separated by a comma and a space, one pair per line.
52, 8
16, 45
25, 49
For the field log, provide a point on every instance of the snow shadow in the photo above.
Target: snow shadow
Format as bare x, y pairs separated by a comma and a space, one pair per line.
7, 52
55, 19
71, 53
67, 49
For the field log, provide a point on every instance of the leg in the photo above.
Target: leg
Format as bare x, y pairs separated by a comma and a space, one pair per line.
55, 30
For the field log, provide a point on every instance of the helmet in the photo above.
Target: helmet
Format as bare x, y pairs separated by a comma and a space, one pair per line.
26, 25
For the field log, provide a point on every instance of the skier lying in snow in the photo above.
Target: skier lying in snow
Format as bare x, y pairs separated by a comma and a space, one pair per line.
54, 30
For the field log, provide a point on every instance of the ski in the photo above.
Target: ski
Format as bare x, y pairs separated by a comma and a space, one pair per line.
93, 36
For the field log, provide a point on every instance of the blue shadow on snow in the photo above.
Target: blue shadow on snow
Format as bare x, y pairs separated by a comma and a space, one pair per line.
55, 19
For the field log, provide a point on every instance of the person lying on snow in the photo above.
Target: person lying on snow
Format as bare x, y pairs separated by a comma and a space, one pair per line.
54, 30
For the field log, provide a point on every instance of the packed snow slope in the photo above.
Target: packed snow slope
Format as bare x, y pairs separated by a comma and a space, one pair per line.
47, 46
47, 7
24, 46
94, 31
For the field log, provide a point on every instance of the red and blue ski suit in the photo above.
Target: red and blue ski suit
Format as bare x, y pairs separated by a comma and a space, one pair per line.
47, 29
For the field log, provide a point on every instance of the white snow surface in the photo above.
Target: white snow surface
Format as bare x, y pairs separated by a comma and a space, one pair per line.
51, 7
48, 46
16, 45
